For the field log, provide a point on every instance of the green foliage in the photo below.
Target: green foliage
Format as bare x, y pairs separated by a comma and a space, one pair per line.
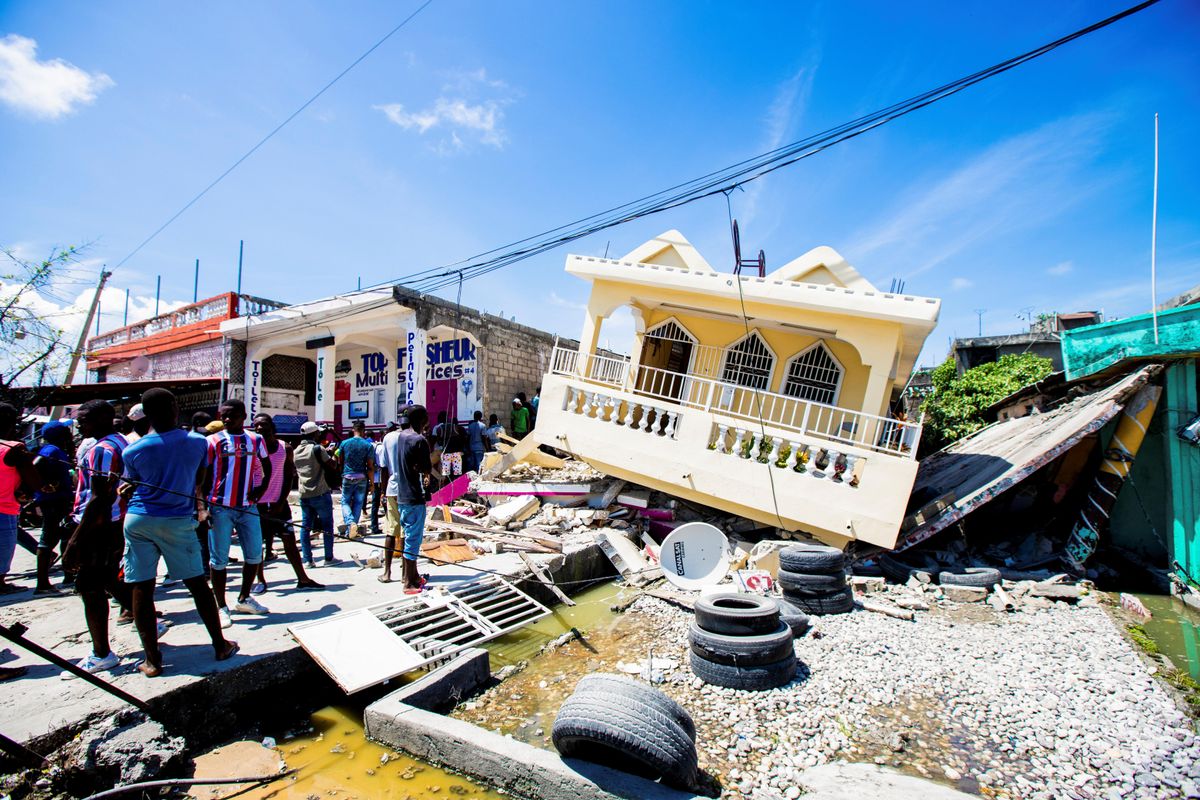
956, 407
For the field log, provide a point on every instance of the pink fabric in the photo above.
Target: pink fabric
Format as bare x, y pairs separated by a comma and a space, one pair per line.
10, 481
275, 485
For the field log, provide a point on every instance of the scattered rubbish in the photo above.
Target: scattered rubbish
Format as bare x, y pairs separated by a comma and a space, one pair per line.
886, 609
515, 510
753, 580
540, 573
639, 498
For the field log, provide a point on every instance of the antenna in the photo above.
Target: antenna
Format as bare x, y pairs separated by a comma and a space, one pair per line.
980, 312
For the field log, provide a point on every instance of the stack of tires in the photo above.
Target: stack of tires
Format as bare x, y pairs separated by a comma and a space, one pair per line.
813, 579
624, 724
739, 641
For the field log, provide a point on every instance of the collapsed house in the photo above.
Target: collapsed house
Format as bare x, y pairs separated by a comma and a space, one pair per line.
763, 396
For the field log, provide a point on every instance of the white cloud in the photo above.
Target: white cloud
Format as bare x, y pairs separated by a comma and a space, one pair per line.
961, 283
45, 89
558, 300
1023, 181
1061, 268
461, 113
783, 115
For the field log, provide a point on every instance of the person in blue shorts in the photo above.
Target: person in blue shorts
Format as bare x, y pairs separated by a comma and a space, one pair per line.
164, 471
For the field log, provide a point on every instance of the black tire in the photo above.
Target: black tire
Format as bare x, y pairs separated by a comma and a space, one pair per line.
736, 614
624, 736
812, 558
793, 617
742, 651
983, 577
835, 603
753, 679
637, 694
811, 583
893, 570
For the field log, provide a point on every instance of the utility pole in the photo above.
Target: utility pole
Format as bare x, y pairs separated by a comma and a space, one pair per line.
196, 283
126, 322
83, 332
241, 248
980, 312
157, 294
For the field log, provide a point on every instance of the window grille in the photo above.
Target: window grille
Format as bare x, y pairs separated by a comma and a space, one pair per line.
814, 375
670, 331
749, 363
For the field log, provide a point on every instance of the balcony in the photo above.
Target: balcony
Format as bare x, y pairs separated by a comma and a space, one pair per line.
836, 473
745, 407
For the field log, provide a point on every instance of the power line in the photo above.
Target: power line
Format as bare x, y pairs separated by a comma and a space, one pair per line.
724, 180
274, 131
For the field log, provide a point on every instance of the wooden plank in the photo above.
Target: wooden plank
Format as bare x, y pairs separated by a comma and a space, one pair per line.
545, 578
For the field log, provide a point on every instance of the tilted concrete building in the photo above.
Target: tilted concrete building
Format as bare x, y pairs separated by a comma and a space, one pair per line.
766, 397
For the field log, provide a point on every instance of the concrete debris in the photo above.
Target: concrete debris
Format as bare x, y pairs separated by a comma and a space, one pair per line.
1057, 591
127, 747
965, 594
515, 510
1134, 606
867, 584
235, 760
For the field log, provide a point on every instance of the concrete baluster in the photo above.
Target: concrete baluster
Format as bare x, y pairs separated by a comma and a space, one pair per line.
629, 409
657, 419
722, 432
669, 431
608, 409
776, 446
850, 462
737, 443
570, 396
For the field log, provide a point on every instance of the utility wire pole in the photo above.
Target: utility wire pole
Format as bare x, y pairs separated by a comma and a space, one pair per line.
980, 312
83, 332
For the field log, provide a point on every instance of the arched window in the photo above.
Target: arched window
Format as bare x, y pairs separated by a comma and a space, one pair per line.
749, 363
814, 375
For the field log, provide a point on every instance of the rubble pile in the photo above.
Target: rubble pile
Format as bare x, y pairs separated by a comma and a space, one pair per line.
1049, 702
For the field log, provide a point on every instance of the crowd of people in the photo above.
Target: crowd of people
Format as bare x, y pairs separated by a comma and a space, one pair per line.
118, 494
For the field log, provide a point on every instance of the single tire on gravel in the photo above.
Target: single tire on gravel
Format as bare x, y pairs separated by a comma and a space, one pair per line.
894, 570
836, 603
736, 614
984, 577
625, 736
811, 558
793, 617
753, 679
742, 651
811, 583
637, 693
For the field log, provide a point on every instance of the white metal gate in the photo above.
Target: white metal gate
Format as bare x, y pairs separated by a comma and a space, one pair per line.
368, 646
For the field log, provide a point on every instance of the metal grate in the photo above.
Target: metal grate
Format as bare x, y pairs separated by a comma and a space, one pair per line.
366, 647
814, 375
749, 363
670, 331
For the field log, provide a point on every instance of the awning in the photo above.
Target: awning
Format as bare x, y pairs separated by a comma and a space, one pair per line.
973, 471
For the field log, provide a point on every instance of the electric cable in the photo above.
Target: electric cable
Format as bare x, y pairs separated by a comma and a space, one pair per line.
272, 133
719, 181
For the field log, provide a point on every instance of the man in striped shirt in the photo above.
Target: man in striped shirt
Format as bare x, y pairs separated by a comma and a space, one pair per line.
94, 549
232, 500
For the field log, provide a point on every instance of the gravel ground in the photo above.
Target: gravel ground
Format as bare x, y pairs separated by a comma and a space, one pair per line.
1045, 703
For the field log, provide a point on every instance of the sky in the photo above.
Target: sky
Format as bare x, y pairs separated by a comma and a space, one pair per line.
479, 124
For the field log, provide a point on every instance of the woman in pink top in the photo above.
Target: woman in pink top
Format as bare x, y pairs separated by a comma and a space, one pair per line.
16, 470
274, 512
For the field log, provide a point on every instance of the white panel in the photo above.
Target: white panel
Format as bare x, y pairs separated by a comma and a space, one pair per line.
356, 649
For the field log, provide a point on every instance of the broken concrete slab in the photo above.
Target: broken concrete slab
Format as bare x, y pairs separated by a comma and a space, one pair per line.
126, 747
235, 760
447, 685
1056, 591
842, 781
964, 594
867, 584
518, 768
515, 510
627, 557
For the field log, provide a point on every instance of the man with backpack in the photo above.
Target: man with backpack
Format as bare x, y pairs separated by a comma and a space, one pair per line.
314, 465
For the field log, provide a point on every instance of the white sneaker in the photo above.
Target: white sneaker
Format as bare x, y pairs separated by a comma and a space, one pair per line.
93, 663
226, 620
250, 606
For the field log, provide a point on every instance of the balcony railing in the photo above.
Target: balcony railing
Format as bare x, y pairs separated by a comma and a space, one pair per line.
791, 415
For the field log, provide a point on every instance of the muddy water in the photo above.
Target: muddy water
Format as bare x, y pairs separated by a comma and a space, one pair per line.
591, 615
1175, 628
335, 760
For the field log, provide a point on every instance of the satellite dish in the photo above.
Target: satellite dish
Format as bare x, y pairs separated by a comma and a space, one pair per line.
139, 367
695, 555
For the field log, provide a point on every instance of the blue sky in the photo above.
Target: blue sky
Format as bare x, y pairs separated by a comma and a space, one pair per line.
482, 123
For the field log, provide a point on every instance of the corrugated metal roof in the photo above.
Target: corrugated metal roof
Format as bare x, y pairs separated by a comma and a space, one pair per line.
980, 467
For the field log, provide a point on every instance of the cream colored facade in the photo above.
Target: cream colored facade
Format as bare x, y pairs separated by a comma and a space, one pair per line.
766, 397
